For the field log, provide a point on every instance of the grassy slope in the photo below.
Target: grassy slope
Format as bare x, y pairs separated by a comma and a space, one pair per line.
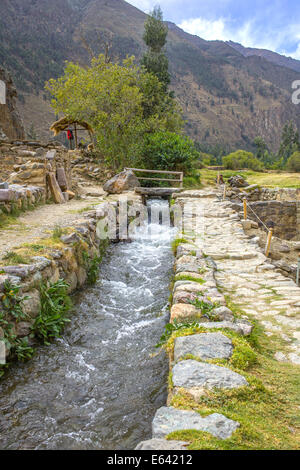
270, 179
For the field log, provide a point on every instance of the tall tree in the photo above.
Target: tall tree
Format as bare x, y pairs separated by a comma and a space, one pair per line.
155, 36
261, 147
121, 101
289, 142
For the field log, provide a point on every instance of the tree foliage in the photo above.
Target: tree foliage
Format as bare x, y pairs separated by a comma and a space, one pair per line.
242, 159
293, 163
121, 101
169, 151
289, 142
155, 36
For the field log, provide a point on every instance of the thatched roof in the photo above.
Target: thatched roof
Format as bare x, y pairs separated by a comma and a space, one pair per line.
65, 122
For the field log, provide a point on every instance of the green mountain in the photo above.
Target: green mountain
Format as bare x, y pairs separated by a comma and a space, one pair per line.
228, 96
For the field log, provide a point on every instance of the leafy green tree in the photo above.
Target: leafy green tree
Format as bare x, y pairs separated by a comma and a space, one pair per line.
261, 147
263, 153
293, 163
289, 142
160, 110
155, 36
242, 159
120, 101
169, 151
108, 98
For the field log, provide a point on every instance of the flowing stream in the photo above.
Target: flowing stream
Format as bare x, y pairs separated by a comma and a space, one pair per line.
98, 387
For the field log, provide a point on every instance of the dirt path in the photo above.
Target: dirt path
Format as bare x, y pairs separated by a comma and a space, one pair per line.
36, 224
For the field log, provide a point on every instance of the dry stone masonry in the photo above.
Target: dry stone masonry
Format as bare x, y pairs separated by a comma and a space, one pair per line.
16, 197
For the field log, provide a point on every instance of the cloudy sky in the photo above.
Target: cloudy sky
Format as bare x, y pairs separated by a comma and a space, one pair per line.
268, 24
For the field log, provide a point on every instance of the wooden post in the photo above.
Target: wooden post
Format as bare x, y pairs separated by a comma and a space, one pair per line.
245, 208
218, 178
55, 189
224, 194
268, 244
298, 272
181, 180
76, 139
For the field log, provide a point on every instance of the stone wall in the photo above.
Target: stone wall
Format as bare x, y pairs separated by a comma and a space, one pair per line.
69, 262
256, 193
27, 164
282, 216
276, 207
15, 197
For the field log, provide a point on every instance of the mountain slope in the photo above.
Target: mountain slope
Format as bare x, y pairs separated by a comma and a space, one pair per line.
227, 97
271, 56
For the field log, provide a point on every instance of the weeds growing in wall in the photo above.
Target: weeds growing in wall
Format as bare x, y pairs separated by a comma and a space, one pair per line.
92, 264
55, 306
11, 313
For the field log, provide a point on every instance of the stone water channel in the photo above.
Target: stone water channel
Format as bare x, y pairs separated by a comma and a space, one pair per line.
99, 386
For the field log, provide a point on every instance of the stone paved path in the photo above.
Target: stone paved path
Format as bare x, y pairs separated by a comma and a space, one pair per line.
250, 279
215, 248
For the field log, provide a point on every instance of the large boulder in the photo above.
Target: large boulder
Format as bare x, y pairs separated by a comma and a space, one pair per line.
124, 181
237, 182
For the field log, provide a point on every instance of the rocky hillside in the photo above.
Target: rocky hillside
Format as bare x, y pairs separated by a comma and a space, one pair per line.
227, 96
11, 126
271, 56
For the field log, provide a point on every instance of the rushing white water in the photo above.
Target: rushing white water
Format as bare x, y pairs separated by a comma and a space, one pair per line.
98, 387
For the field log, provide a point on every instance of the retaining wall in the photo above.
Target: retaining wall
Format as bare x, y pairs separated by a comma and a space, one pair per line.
282, 216
20, 198
26, 163
66, 258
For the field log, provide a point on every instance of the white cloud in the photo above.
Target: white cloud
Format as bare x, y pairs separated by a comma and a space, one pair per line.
261, 28
206, 29
294, 54
224, 30
247, 34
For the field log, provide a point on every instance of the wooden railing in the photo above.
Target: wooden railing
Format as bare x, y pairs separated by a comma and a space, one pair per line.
170, 180
268, 229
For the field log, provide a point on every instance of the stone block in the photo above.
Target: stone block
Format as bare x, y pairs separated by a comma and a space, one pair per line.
184, 312
162, 444
203, 345
169, 419
189, 374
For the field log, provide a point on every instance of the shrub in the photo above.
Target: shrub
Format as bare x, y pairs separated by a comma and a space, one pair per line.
293, 163
242, 159
169, 151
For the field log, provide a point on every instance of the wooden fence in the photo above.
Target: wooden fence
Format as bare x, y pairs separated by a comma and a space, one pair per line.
170, 180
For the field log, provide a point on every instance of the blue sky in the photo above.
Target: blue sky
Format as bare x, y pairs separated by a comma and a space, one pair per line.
268, 24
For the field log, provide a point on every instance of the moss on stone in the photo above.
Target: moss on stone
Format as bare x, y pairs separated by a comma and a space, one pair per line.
267, 409
180, 277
